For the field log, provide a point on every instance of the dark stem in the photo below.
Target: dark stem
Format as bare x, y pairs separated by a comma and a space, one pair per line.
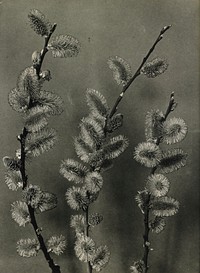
22, 138
146, 233
89, 267
55, 268
170, 108
44, 51
137, 73
87, 225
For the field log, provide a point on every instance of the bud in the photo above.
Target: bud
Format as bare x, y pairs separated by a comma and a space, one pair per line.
174, 106
20, 184
147, 243
39, 230
36, 57
45, 75
165, 28
18, 153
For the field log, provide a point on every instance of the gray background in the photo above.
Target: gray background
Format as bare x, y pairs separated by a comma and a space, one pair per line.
124, 28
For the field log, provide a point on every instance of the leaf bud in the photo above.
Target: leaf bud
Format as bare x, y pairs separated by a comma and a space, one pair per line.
45, 75
165, 28
36, 57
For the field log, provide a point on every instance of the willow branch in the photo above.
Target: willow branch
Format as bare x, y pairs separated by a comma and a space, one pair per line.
22, 138
137, 73
170, 108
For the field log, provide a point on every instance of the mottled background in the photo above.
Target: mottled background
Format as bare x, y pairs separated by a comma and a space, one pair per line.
106, 28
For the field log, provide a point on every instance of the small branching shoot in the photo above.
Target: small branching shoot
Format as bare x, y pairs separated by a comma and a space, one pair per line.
154, 202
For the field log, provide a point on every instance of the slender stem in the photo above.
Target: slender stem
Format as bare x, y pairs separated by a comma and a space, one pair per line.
86, 218
146, 233
22, 138
89, 267
55, 268
170, 108
137, 73
44, 50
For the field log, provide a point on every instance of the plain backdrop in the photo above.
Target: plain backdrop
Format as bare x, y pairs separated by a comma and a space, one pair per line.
105, 28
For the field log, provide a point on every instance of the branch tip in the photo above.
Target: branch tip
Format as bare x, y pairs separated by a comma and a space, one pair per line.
172, 94
165, 28
54, 27
138, 71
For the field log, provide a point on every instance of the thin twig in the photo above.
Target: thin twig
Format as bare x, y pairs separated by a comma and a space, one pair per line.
137, 73
89, 267
146, 233
44, 50
170, 108
22, 139
55, 268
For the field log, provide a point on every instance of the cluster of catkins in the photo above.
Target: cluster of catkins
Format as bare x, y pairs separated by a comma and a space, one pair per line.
154, 201
97, 152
